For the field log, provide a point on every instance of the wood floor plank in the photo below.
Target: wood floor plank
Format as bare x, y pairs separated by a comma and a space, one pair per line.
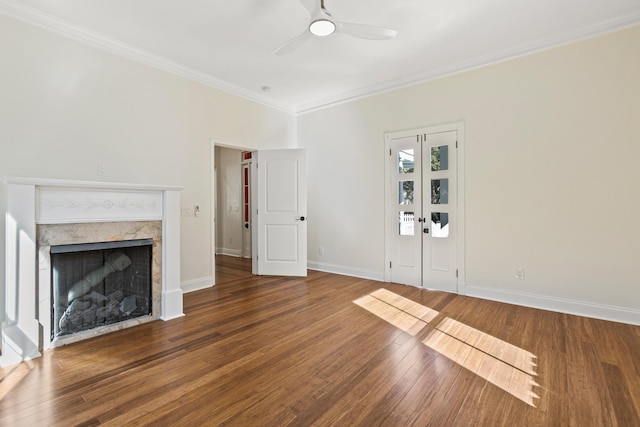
623, 405
259, 350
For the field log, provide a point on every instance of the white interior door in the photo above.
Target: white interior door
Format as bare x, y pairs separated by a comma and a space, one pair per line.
405, 217
422, 198
439, 185
280, 209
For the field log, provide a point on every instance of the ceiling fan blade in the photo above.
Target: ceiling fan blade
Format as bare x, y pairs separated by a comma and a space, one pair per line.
364, 31
292, 44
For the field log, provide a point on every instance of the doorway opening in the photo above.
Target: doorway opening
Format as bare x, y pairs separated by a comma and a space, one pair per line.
232, 213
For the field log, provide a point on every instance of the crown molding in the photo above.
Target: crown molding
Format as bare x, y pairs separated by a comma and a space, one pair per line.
76, 32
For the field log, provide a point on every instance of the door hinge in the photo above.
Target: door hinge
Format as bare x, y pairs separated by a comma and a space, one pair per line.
456, 273
389, 264
456, 144
417, 138
389, 151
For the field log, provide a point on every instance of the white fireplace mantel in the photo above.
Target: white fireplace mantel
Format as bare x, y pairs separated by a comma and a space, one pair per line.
32, 201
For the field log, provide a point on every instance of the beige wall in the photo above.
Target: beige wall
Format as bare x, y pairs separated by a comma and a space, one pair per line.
552, 153
66, 107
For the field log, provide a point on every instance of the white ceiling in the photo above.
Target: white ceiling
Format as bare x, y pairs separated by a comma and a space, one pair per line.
228, 44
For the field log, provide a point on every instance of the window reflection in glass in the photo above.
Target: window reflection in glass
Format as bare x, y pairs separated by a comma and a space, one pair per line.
440, 158
406, 224
440, 225
405, 192
439, 191
406, 161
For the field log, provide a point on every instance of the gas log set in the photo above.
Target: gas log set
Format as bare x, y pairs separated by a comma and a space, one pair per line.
97, 285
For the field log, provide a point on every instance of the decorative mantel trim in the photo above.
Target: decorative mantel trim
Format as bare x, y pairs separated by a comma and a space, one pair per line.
96, 185
32, 201
55, 205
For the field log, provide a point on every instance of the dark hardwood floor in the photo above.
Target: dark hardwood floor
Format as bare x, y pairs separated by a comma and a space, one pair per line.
336, 350
231, 268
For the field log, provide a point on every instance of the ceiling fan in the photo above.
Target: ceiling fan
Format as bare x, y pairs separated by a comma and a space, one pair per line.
323, 24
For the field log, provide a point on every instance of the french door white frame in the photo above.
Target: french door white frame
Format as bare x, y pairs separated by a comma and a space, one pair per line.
390, 196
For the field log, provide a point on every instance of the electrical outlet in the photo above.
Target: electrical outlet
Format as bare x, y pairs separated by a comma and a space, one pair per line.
320, 250
186, 211
520, 273
102, 169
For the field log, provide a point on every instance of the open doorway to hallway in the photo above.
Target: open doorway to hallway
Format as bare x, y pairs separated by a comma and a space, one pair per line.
232, 221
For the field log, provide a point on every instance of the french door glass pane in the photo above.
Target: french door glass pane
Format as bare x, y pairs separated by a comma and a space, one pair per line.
440, 225
406, 224
439, 191
406, 159
405, 192
440, 158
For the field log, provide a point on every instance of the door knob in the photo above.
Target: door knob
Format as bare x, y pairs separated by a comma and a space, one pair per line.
300, 218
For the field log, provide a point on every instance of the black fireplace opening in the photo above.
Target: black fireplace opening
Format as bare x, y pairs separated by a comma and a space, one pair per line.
99, 284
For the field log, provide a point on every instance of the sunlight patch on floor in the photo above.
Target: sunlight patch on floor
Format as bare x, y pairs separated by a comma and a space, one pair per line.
398, 318
485, 359
505, 365
12, 376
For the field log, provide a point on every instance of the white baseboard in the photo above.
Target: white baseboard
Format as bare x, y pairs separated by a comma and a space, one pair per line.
580, 308
16, 346
197, 284
229, 252
345, 270
172, 304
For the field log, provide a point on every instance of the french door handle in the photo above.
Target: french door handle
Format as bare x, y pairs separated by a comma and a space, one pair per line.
425, 231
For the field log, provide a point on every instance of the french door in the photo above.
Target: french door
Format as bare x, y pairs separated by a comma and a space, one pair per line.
422, 215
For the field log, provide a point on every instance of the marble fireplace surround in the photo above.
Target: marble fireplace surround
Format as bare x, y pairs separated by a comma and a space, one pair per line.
41, 213
65, 234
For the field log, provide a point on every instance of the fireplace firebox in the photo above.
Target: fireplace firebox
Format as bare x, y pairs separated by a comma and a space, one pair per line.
99, 284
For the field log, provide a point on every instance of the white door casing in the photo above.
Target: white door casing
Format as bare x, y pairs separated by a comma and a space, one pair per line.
279, 222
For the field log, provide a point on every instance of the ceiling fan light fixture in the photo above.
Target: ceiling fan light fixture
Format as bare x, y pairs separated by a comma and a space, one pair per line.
322, 27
